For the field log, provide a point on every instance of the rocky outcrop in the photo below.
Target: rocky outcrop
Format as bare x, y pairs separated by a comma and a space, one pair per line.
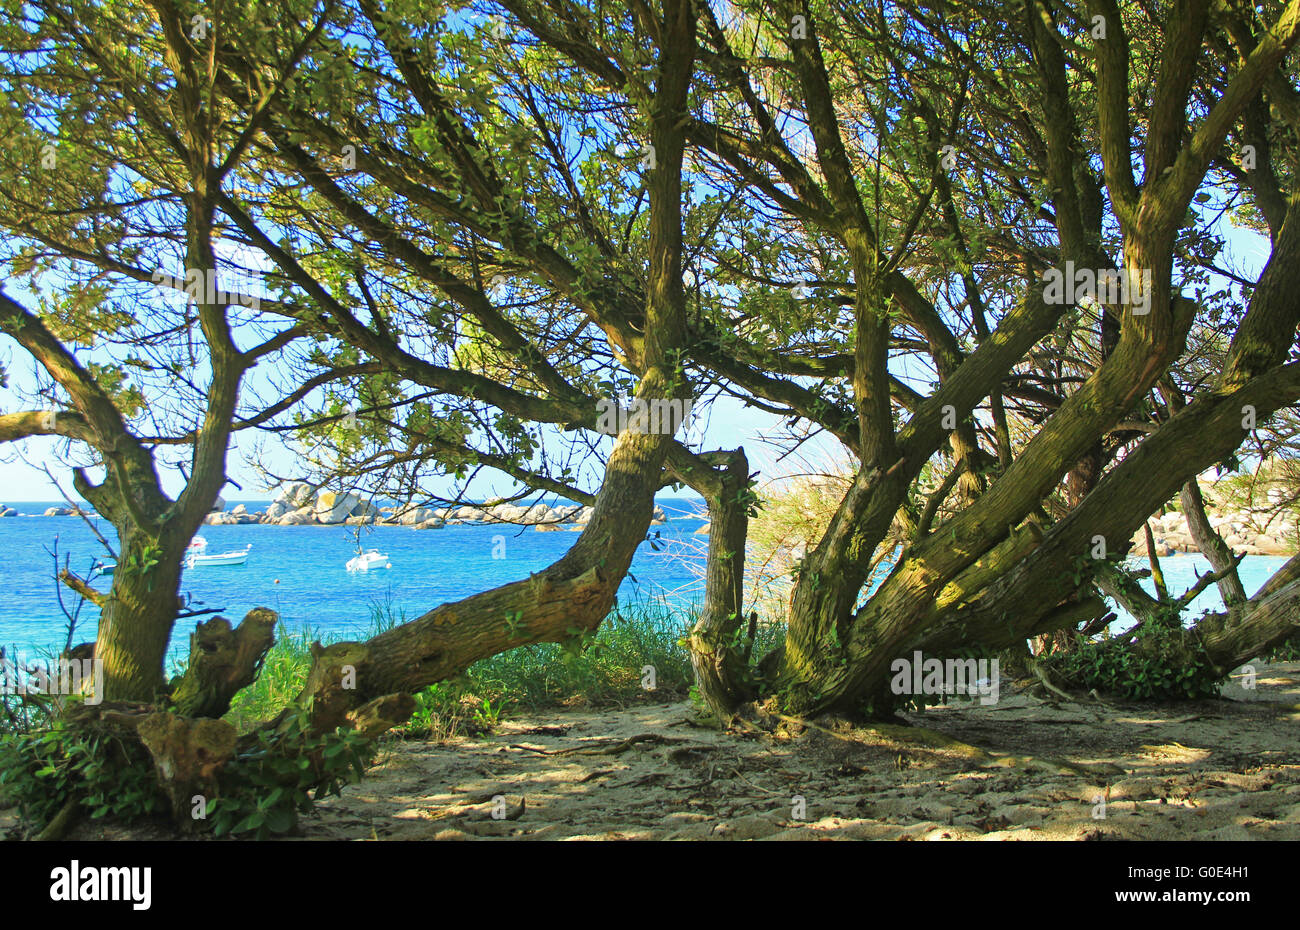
1243, 532
332, 507
296, 494
298, 503
65, 512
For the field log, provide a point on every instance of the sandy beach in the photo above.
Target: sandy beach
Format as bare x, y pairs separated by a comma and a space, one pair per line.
1023, 769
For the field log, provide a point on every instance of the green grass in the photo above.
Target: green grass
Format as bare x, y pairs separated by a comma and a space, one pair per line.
604, 670
284, 672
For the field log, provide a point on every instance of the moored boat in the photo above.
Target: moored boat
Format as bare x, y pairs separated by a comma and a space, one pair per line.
234, 557
371, 558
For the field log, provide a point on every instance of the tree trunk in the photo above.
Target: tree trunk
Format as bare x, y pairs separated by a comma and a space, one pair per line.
568, 599
136, 621
1211, 544
222, 661
722, 675
1265, 623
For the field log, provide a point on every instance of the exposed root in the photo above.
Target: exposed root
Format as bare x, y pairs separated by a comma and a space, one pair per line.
62, 822
612, 748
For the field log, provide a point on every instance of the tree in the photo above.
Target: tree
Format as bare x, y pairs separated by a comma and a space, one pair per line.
999, 570
120, 147
914, 229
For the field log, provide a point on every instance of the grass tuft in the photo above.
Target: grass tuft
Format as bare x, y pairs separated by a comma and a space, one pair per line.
602, 670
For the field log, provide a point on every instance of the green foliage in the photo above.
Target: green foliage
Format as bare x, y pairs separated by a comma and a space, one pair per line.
41, 769
590, 669
595, 669
283, 675
265, 787
1288, 651
141, 563
1160, 663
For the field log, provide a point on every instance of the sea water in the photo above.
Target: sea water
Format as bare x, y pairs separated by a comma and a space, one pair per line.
300, 572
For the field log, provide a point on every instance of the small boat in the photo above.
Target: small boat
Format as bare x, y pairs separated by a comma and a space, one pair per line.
371, 558
103, 569
235, 557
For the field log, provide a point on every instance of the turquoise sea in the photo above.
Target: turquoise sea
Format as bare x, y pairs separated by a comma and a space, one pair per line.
299, 571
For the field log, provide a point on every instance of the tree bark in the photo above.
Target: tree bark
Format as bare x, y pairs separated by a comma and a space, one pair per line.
1211, 544
720, 662
222, 661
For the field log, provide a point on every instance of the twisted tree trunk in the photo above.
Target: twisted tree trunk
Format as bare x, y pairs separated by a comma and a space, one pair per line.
718, 657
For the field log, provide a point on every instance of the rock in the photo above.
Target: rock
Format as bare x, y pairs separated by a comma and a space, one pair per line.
59, 512
417, 515
362, 520
546, 527
301, 517
658, 516
434, 524
531, 514
276, 510
1270, 545
295, 494
218, 505
538, 513
703, 531
583, 516
8, 512
332, 507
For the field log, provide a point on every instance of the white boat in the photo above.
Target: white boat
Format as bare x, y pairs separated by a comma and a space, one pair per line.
371, 558
235, 557
197, 544
103, 569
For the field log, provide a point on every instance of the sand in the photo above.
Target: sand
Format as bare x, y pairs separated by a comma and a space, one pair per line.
1023, 769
